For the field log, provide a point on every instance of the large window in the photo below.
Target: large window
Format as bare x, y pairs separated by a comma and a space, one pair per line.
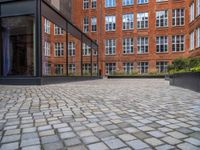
110, 3
46, 26
161, 66
128, 21
178, 16
143, 45
71, 48
162, 18
86, 68
47, 51
59, 49
71, 69
47, 69
161, 44
58, 30
143, 67
85, 24
94, 3
192, 12
86, 50
178, 43
18, 53
142, 20
198, 8
128, 45
127, 2
110, 23
85, 4
142, 1
198, 37
59, 69
192, 40
128, 67
110, 68
94, 24
110, 46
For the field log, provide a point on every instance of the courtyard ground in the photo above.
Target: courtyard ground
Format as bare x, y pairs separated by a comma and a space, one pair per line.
100, 115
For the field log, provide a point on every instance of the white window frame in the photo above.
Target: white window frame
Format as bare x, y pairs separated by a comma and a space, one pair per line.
178, 43
127, 2
110, 3
59, 49
192, 40
128, 67
47, 69
94, 24
71, 48
178, 19
110, 46
142, 20
161, 18
198, 8
58, 30
128, 45
47, 26
198, 37
86, 4
192, 12
47, 48
161, 66
110, 23
86, 24
142, 1
94, 4
59, 69
110, 68
162, 44
143, 67
143, 45
72, 68
86, 50
128, 21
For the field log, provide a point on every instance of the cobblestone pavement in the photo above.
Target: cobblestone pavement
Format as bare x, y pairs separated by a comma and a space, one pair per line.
100, 115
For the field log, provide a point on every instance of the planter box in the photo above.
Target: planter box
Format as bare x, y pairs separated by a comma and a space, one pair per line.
190, 80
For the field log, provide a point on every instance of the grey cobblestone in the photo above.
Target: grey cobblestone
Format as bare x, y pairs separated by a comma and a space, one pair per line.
103, 114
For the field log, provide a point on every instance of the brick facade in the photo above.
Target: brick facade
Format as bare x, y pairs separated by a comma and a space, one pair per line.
151, 32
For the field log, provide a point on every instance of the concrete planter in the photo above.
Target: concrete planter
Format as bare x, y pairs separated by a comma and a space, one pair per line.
189, 80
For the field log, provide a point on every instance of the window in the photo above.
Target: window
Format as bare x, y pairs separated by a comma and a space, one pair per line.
128, 67
161, 0
59, 49
143, 45
58, 30
59, 69
198, 37
143, 67
94, 24
86, 50
142, 20
47, 69
85, 4
142, 1
110, 46
110, 23
85, 24
94, 68
47, 48
191, 40
46, 26
178, 43
110, 3
71, 49
128, 21
86, 69
127, 2
95, 51
128, 45
94, 3
71, 68
110, 68
161, 66
161, 44
178, 17
162, 18
192, 12
198, 8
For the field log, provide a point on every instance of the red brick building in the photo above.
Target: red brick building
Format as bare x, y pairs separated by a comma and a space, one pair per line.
139, 36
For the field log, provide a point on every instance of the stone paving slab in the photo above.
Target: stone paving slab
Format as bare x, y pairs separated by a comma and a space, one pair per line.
100, 115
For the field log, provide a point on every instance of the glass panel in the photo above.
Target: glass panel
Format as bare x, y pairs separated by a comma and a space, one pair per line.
18, 46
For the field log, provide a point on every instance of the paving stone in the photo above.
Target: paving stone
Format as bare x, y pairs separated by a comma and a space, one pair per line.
193, 141
127, 137
187, 146
28, 142
85, 133
177, 135
35, 147
156, 134
171, 140
71, 142
115, 143
90, 139
153, 141
66, 135
137, 144
10, 146
78, 147
49, 139
165, 147
98, 146
11, 138
53, 146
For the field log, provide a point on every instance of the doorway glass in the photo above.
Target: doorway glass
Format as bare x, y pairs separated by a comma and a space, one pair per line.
18, 46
